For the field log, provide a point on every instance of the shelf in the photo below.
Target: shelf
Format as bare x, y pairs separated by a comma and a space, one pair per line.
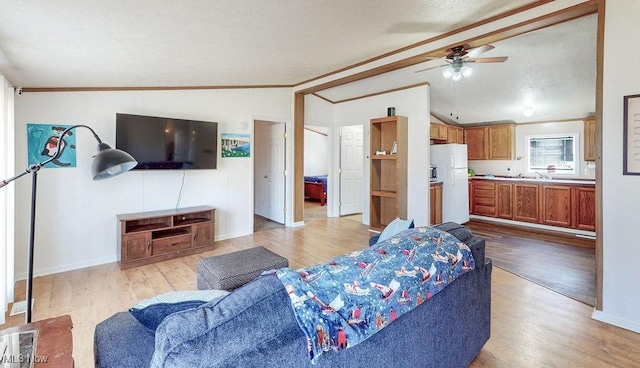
131, 228
169, 233
384, 193
190, 221
384, 157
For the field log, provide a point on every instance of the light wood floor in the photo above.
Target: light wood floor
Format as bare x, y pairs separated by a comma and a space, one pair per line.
531, 325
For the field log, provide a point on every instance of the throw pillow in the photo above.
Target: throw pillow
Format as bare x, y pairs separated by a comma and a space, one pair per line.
150, 312
395, 227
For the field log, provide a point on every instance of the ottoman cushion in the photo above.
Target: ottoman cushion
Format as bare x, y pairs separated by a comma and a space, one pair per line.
232, 270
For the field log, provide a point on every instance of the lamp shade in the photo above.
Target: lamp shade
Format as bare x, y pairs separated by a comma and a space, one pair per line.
111, 162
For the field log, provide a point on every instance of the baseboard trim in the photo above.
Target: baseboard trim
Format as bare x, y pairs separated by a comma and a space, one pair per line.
67, 267
584, 233
616, 321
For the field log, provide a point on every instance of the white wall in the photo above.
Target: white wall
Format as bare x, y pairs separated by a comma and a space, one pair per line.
316, 148
499, 167
621, 202
414, 104
76, 224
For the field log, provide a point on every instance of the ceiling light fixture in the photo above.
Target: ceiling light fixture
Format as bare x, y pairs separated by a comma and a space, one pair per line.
457, 70
527, 111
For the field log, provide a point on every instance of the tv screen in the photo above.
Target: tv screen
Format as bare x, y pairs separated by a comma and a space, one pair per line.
166, 143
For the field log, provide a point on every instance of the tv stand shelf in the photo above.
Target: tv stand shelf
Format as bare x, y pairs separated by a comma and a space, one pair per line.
148, 237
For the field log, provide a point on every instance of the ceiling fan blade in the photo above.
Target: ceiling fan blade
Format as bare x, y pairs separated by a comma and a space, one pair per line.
497, 59
433, 67
478, 50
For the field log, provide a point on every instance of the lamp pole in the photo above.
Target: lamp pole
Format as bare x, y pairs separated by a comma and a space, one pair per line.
107, 163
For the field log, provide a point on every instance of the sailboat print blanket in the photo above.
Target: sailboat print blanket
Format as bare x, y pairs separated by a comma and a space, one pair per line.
343, 302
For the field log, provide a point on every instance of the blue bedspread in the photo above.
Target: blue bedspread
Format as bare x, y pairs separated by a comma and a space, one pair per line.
343, 302
318, 179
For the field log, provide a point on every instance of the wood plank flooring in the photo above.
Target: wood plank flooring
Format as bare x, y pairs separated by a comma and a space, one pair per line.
531, 326
559, 261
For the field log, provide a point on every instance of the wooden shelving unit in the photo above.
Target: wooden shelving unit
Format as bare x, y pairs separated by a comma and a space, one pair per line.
148, 237
388, 194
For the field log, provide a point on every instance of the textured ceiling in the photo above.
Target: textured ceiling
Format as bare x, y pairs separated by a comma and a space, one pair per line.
552, 69
165, 43
119, 43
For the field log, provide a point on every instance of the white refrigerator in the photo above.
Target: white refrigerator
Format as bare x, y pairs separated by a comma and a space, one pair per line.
452, 166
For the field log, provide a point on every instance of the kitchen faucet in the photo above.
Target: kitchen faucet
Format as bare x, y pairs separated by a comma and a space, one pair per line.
543, 176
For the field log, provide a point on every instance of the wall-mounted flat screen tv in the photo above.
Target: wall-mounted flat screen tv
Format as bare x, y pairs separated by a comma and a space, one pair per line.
166, 143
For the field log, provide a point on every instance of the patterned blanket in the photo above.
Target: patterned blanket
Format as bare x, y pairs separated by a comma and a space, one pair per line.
342, 303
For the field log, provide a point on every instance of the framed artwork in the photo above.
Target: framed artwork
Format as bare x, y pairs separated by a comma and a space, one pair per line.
42, 141
631, 144
236, 145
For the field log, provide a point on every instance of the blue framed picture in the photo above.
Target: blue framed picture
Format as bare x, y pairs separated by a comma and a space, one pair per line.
42, 142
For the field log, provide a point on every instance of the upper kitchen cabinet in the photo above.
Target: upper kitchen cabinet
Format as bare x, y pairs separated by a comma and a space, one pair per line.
455, 134
494, 142
590, 139
476, 138
438, 132
502, 142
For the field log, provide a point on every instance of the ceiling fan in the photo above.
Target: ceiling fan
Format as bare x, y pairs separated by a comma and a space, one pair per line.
459, 56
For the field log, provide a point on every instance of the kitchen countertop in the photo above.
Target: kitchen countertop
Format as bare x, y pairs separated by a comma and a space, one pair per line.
537, 180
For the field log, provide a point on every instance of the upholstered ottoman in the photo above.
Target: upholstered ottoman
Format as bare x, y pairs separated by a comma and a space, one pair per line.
232, 270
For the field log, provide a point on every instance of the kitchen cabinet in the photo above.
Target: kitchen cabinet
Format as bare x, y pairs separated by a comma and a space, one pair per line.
435, 200
504, 195
388, 195
476, 138
493, 142
556, 207
455, 134
568, 205
438, 132
501, 141
590, 139
526, 202
484, 198
584, 207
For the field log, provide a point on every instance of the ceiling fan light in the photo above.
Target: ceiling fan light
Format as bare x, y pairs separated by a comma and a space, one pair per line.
448, 72
466, 71
456, 76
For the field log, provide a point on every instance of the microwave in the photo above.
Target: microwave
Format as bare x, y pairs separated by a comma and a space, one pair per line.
433, 176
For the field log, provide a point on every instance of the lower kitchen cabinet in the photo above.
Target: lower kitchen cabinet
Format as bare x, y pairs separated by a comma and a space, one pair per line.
505, 200
584, 208
526, 201
435, 196
556, 208
484, 198
562, 205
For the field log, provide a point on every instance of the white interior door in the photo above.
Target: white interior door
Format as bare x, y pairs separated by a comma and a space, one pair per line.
269, 170
275, 174
351, 169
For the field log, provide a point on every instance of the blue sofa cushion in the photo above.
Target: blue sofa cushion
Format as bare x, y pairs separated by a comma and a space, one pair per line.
150, 312
253, 318
151, 316
390, 230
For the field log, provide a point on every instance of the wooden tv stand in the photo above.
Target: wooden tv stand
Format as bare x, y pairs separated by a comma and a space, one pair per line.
148, 237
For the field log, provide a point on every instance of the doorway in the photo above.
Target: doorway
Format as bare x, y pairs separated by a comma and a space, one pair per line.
269, 175
316, 172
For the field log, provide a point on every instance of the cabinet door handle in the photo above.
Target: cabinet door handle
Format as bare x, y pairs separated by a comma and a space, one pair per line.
173, 244
148, 244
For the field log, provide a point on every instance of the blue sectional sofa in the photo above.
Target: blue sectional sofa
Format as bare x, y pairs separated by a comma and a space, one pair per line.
254, 326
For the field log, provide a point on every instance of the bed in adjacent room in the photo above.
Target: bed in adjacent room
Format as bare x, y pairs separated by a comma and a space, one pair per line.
315, 187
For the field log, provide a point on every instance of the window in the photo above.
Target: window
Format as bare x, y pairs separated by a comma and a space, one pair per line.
553, 153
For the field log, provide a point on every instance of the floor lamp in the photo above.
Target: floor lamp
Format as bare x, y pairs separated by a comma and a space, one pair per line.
107, 162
